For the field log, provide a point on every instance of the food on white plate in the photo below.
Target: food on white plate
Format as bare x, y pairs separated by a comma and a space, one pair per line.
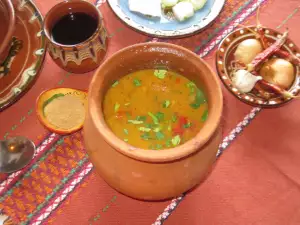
247, 50
150, 8
168, 4
183, 10
198, 4
244, 81
279, 72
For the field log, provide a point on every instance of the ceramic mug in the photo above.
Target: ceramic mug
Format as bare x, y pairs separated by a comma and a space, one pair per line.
84, 56
7, 25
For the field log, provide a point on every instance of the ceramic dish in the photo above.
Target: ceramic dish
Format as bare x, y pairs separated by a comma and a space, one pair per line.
165, 28
22, 66
44, 98
224, 55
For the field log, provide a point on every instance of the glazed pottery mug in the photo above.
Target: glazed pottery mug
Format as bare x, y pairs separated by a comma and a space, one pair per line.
7, 25
152, 174
81, 57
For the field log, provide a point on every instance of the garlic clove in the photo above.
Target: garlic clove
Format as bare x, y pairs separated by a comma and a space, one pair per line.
244, 81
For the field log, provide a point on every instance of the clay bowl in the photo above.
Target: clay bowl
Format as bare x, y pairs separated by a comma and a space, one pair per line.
151, 174
7, 24
225, 55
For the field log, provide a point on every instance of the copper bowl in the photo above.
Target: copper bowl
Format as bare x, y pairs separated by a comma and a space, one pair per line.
7, 24
150, 174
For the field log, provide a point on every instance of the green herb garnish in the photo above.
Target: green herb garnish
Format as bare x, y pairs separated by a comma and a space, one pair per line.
141, 118
200, 99
135, 121
125, 139
191, 86
204, 116
188, 125
174, 118
148, 125
117, 106
156, 129
144, 129
160, 116
176, 140
166, 104
115, 83
159, 135
168, 143
145, 136
137, 82
154, 118
161, 74
125, 131
51, 99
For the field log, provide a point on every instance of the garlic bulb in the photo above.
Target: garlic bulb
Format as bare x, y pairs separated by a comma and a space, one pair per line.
279, 72
244, 81
247, 50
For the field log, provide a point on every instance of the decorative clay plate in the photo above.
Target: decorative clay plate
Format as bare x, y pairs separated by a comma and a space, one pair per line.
46, 96
165, 28
22, 65
224, 56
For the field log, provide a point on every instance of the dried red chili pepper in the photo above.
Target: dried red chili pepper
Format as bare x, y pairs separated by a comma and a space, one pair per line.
285, 94
261, 57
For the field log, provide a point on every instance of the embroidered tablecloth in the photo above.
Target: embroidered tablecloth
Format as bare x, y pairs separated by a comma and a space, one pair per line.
255, 181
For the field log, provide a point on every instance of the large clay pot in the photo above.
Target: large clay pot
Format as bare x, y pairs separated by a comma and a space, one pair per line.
152, 174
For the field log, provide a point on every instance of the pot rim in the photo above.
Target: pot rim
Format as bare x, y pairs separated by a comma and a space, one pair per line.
11, 26
191, 146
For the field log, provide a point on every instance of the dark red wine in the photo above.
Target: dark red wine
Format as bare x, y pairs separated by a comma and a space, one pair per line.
74, 28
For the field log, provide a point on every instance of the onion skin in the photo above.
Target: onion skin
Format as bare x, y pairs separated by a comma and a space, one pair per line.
247, 50
279, 72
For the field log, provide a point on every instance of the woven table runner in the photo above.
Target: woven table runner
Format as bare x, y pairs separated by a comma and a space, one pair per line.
249, 184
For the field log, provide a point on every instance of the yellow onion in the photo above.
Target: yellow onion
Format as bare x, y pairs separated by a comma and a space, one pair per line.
247, 50
279, 72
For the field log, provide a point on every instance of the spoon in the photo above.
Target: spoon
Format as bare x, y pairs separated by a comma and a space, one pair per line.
15, 153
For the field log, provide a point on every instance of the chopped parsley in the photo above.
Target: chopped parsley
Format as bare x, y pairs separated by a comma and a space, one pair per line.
156, 129
188, 125
204, 116
159, 135
141, 118
115, 83
160, 116
137, 82
166, 104
117, 106
145, 136
200, 99
168, 143
174, 118
191, 86
154, 118
158, 146
135, 121
176, 140
161, 74
144, 129
125, 131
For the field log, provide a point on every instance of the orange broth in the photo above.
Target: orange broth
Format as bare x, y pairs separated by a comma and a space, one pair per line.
155, 109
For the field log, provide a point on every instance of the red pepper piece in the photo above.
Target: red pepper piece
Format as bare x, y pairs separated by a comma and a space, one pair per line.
261, 57
179, 128
122, 114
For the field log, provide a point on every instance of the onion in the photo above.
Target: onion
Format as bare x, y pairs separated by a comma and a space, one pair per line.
247, 50
279, 72
183, 10
244, 81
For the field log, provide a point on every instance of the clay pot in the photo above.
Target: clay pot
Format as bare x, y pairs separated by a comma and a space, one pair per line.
85, 56
152, 174
7, 24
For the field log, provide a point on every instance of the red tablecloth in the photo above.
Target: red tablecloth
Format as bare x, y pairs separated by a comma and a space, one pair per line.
256, 180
